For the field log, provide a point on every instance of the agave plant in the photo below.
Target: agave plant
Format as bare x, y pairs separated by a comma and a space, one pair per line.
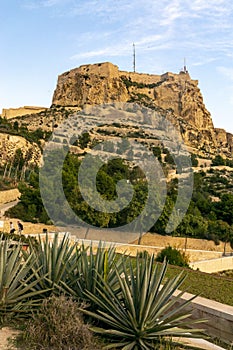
18, 294
58, 259
93, 263
144, 310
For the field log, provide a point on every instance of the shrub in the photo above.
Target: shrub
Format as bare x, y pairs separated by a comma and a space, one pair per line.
17, 237
173, 256
58, 325
218, 160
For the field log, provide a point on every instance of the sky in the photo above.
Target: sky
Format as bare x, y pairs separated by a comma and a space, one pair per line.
40, 39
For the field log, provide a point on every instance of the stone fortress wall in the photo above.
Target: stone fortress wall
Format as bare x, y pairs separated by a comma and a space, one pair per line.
9, 113
109, 70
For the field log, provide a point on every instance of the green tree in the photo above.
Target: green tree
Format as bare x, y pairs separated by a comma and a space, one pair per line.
218, 160
161, 223
157, 152
224, 208
194, 160
221, 230
18, 161
169, 159
84, 139
16, 126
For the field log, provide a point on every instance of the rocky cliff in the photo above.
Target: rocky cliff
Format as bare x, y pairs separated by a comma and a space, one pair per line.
176, 96
9, 144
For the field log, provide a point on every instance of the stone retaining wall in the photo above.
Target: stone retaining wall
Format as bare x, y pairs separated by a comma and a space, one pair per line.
219, 317
214, 265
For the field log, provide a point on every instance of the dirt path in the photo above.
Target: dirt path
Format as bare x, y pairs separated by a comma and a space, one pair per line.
179, 242
28, 226
5, 334
153, 243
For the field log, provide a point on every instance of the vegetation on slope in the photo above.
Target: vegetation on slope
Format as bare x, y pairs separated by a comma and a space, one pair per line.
15, 129
206, 218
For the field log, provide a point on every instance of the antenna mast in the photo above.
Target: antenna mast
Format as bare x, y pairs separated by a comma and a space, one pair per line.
134, 58
185, 68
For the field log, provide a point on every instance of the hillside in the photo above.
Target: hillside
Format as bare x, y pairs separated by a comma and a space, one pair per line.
176, 97
170, 97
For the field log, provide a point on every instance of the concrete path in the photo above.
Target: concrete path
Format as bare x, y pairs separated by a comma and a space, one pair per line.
107, 235
6, 206
199, 343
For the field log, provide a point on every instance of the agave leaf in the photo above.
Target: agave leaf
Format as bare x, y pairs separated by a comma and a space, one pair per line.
127, 294
94, 263
17, 280
156, 278
164, 295
112, 308
143, 310
169, 315
58, 260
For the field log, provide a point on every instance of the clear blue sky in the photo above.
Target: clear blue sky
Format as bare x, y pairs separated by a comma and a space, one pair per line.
40, 39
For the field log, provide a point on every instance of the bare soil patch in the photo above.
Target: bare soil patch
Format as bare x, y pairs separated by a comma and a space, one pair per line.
179, 242
7, 333
28, 227
196, 249
153, 243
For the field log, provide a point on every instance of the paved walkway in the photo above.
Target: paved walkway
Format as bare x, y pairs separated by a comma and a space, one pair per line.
6, 206
200, 344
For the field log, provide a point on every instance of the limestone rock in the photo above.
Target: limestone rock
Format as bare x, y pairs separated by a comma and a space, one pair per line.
176, 95
10, 143
94, 84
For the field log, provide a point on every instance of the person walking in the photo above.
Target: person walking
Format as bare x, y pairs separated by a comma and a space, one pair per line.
12, 229
20, 227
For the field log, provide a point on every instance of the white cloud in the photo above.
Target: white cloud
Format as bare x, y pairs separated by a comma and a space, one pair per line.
149, 39
172, 12
32, 4
182, 25
110, 51
205, 61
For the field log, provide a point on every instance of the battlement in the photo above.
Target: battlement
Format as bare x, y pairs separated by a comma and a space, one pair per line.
109, 70
104, 69
141, 77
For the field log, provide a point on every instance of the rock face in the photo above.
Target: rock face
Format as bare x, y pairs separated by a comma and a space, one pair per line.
225, 139
91, 84
176, 94
46, 120
9, 144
